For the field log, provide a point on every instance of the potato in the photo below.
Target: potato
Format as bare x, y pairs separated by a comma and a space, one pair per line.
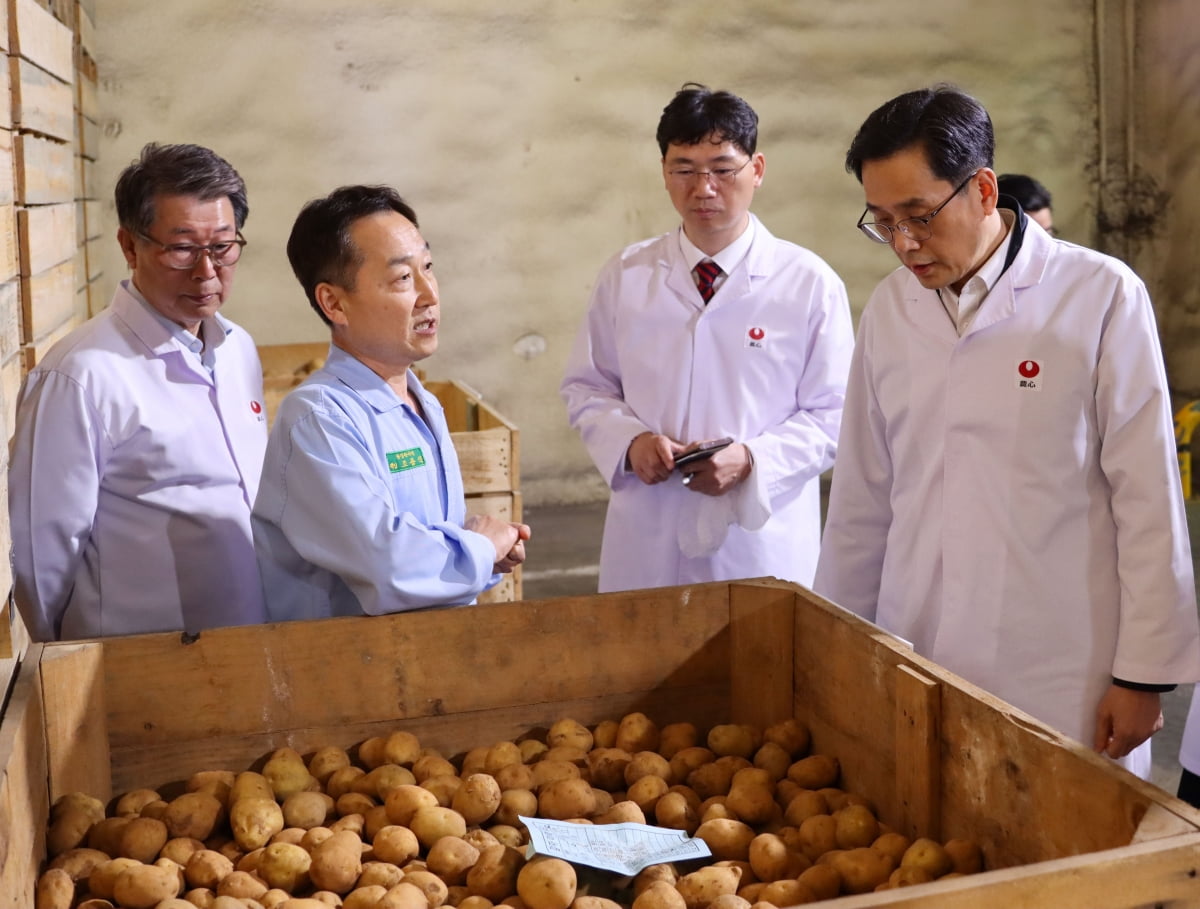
659, 895
307, 809
373, 821
180, 848
752, 796
594, 902
480, 838
637, 732
604, 734
249, 784
102, 878
823, 880
818, 835
105, 834
731, 739
336, 862
77, 801
570, 732
711, 779
929, 855
546, 883
428, 765
408, 896
514, 803
382, 780
368, 897
862, 869
674, 737
646, 792
370, 752
355, 823
144, 886
500, 754
142, 839
430, 884
733, 901
430, 824
816, 771
285, 866
892, 844
626, 812
326, 760
402, 803
69, 829
194, 815
287, 773
450, 858
965, 856
607, 767
342, 781
728, 839
443, 788
207, 869
254, 821
648, 763
353, 803
674, 811
791, 735
532, 750
55, 890
568, 753
700, 888
786, 893
908, 877
566, 799
242, 885
217, 783
804, 804
773, 759
516, 837
513, 776
477, 798
475, 760
545, 772
385, 874
771, 860
494, 875
395, 844
855, 827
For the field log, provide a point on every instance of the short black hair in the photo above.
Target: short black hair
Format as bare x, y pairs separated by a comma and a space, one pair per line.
320, 248
952, 127
1029, 193
176, 170
696, 112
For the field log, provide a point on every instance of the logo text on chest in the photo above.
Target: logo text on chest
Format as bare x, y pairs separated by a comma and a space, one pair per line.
398, 461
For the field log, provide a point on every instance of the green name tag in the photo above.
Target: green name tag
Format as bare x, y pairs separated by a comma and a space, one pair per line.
405, 460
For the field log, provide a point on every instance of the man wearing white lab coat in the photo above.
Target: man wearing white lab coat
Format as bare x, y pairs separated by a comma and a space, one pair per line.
668, 358
1007, 496
140, 436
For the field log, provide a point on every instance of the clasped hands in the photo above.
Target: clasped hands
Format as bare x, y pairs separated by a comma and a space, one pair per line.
652, 458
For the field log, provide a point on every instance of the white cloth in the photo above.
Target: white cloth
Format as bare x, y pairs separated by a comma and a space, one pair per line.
132, 475
764, 362
1009, 501
1189, 751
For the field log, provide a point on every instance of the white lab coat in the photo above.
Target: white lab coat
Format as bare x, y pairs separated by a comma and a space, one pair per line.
1009, 501
765, 362
132, 476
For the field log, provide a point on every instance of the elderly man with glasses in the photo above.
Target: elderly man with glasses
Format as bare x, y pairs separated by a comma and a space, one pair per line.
1006, 496
140, 436
715, 331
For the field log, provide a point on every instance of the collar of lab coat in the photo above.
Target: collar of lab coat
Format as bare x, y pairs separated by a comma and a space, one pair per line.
758, 263
152, 330
369, 385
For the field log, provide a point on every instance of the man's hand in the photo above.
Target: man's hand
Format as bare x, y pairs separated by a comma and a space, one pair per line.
652, 457
504, 536
516, 555
1124, 719
717, 475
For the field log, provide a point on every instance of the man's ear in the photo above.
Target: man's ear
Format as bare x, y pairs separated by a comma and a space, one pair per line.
126, 240
989, 189
331, 298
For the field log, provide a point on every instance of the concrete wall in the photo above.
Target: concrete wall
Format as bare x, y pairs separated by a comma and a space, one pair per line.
523, 135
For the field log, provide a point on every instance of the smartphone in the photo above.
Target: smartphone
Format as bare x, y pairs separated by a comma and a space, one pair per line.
702, 451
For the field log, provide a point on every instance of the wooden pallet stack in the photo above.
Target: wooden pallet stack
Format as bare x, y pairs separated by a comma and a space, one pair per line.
49, 210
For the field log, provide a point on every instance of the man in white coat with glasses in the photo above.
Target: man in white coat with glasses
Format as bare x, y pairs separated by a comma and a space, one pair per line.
716, 330
1006, 496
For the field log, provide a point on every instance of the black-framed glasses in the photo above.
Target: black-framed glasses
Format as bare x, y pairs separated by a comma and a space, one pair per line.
917, 229
185, 255
685, 175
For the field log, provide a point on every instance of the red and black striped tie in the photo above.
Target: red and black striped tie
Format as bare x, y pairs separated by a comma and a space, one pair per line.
706, 273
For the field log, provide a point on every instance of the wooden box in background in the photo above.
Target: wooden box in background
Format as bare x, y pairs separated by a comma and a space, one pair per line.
487, 444
1059, 826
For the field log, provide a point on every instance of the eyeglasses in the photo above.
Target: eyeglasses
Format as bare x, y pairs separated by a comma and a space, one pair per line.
685, 175
185, 255
913, 228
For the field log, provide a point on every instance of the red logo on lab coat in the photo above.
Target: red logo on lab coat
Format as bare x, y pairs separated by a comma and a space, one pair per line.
757, 334
756, 337
1029, 369
256, 407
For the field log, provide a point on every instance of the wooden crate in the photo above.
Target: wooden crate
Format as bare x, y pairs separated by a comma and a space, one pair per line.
1059, 826
487, 444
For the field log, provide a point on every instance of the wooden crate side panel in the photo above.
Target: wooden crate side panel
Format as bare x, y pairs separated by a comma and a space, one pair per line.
93, 219
42, 103
283, 360
5, 43
46, 235
44, 171
499, 505
40, 38
6, 110
35, 351
87, 95
761, 623
264, 680
88, 132
457, 403
485, 460
48, 300
8, 171
10, 264
1019, 789
10, 323
74, 693
24, 796
85, 29
11, 373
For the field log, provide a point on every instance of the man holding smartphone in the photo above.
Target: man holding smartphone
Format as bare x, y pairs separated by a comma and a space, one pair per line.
715, 330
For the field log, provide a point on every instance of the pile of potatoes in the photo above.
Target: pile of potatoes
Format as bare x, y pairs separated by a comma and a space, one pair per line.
402, 827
